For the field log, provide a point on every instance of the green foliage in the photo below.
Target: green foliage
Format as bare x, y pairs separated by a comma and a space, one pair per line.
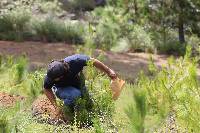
34, 84
3, 124
167, 42
9, 118
18, 23
112, 29
104, 31
96, 105
122, 45
52, 30
83, 5
137, 113
49, 6
118, 26
97, 125
174, 88
194, 42
19, 69
140, 39
15, 78
105, 34
77, 5
14, 25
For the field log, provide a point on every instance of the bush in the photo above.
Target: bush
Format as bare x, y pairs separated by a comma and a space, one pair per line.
18, 23
168, 43
77, 5
49, 7
140, 40
106, 35
173, 89
104, 29
194, 42
112, 29
14, 26
137, 112
122, 45
52, 30
15, 78
97, 105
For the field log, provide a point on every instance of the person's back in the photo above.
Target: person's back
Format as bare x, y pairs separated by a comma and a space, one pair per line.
67, 77
64, 78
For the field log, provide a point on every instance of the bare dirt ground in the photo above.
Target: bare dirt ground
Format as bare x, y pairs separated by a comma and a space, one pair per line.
128, 65
7, 100
44, 111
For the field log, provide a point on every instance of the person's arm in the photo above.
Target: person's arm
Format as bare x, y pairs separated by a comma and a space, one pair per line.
98, 64
50, 96
52, 99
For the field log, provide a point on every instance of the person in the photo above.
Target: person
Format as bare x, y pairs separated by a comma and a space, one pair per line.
64, 79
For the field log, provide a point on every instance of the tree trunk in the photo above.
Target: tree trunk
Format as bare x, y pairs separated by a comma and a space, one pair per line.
181, 29
136, 8
181, 24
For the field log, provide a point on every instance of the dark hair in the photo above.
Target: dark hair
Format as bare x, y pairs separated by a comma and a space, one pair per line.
66, 65
57, 68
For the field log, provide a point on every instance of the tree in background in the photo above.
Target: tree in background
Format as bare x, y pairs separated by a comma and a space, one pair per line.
180, 14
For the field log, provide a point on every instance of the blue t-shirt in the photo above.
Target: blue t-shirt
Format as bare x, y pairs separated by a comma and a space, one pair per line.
76, 63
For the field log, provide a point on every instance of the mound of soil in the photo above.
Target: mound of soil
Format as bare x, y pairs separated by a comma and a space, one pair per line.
7, 100
44, 111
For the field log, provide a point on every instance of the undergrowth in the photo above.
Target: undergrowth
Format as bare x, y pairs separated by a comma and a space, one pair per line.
15, 79
173, 89
142, 107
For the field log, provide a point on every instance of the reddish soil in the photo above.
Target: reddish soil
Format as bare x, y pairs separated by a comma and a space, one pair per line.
7, 100
43, 106
44, 111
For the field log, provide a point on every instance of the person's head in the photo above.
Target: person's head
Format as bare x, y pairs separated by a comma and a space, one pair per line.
57, 69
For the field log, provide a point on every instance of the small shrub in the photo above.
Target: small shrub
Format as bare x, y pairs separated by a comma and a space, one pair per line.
77, 5
3, 124
104, 33
17, 80
33, 85
14, 26
8, 119
194, 42
140, 40
121, 46
83, 5
97, 104
172, 89
168, 43
49, 6
20, 69
52, 30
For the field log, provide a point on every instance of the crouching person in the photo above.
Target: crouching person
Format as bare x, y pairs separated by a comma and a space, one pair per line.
65, 81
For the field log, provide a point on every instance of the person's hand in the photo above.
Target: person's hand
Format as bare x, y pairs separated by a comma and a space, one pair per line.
112, 74
58, 112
